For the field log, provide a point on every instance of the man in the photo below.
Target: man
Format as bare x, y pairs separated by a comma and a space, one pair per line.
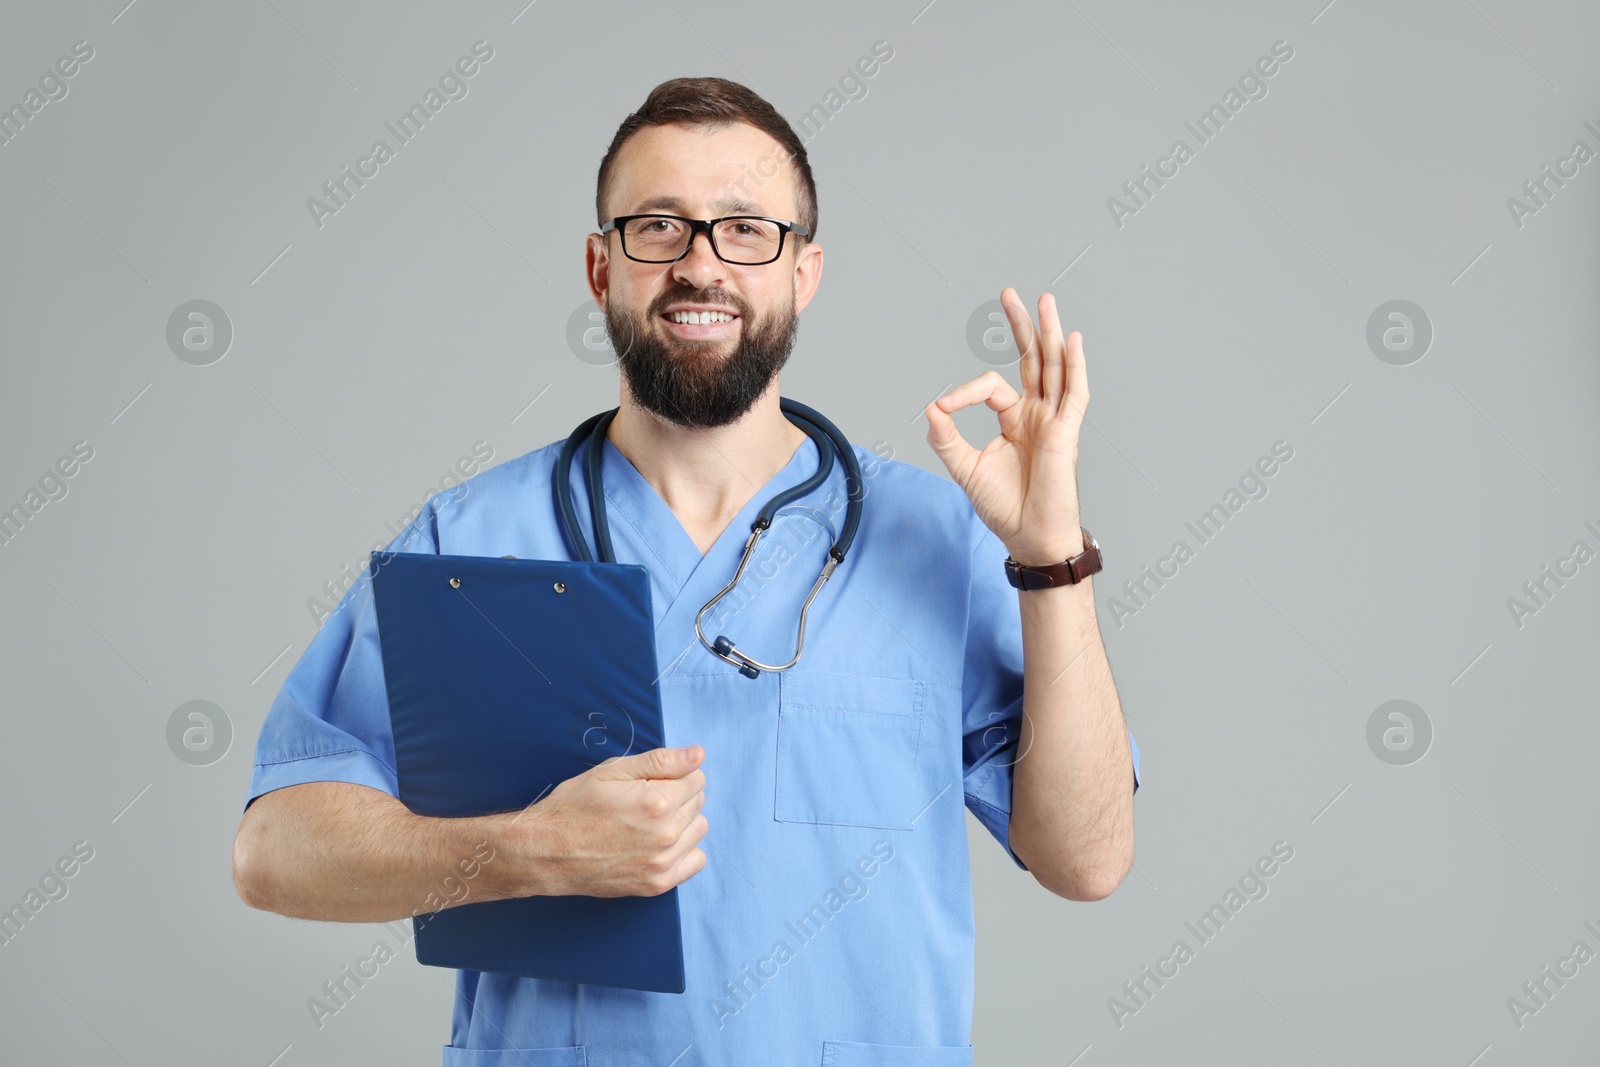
828, 917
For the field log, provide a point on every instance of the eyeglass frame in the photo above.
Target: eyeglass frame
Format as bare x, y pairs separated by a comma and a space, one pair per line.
698, 226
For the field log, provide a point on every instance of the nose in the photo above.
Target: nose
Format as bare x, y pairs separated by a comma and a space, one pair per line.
700, 265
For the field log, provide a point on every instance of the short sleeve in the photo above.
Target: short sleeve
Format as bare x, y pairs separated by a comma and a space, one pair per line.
330, 720
991, 691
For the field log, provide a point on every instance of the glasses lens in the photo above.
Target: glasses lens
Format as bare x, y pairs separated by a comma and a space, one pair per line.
748, 240
662, 239
655, 238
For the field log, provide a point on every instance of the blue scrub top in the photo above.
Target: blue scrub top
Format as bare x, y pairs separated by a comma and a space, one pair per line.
832, 923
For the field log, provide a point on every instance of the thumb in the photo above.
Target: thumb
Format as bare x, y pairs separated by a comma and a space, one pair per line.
656, 763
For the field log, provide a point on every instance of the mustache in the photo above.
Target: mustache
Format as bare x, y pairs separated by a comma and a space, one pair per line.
712, 297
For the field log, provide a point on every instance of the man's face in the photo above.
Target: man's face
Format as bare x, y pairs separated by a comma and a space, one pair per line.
707, 374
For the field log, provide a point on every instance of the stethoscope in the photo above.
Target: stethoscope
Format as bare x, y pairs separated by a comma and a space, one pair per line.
828, 440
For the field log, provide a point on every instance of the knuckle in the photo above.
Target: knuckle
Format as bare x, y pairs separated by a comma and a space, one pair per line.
656, 806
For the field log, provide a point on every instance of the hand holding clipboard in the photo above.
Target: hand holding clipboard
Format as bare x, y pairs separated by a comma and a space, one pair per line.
627, 827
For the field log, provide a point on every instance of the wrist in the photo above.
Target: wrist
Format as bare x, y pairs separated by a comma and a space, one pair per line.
1042, 556
516, 868
1052, 570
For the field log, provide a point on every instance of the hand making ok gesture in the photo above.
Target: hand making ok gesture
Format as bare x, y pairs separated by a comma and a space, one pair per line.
1024, 483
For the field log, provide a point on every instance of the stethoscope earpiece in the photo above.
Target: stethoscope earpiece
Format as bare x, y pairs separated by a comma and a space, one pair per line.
723, 647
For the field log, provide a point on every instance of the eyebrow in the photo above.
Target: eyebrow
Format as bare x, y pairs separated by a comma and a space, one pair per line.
731, 204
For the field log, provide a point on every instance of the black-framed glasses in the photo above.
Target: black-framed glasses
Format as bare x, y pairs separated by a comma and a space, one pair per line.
745, 240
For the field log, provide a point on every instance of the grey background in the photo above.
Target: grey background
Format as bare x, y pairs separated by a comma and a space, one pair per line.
1228, 314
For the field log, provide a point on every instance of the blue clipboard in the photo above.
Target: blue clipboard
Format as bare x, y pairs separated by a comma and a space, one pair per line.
506, 677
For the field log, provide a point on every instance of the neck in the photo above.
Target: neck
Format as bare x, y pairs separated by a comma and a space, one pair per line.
707, 475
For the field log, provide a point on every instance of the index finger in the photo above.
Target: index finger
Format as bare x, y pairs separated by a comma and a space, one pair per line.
680, 792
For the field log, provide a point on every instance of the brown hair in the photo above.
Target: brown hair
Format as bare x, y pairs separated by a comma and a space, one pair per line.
712, 102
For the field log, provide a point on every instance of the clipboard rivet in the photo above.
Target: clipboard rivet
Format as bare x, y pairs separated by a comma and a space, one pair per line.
561, 587
455, 583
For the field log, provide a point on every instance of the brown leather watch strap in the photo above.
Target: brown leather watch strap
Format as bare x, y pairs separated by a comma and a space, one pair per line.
1068, 572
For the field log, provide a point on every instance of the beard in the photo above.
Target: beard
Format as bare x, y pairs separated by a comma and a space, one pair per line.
687, 382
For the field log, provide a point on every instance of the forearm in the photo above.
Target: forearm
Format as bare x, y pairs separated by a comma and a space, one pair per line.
339, 852
1072, 786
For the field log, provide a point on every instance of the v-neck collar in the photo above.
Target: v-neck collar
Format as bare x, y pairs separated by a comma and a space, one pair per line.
631, 498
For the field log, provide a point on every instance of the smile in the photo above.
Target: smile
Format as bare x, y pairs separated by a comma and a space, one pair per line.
689, 324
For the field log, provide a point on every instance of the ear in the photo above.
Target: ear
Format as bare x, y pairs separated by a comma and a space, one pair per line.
597, 267
807, 275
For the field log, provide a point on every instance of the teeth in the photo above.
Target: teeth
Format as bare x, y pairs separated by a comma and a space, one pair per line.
700, 318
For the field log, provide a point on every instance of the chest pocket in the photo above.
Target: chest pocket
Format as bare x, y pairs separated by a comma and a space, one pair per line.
848, 746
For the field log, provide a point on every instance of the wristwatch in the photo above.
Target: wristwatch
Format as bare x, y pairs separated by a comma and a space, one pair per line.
1067, 572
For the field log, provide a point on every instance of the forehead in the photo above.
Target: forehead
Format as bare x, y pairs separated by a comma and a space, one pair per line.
703, 171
